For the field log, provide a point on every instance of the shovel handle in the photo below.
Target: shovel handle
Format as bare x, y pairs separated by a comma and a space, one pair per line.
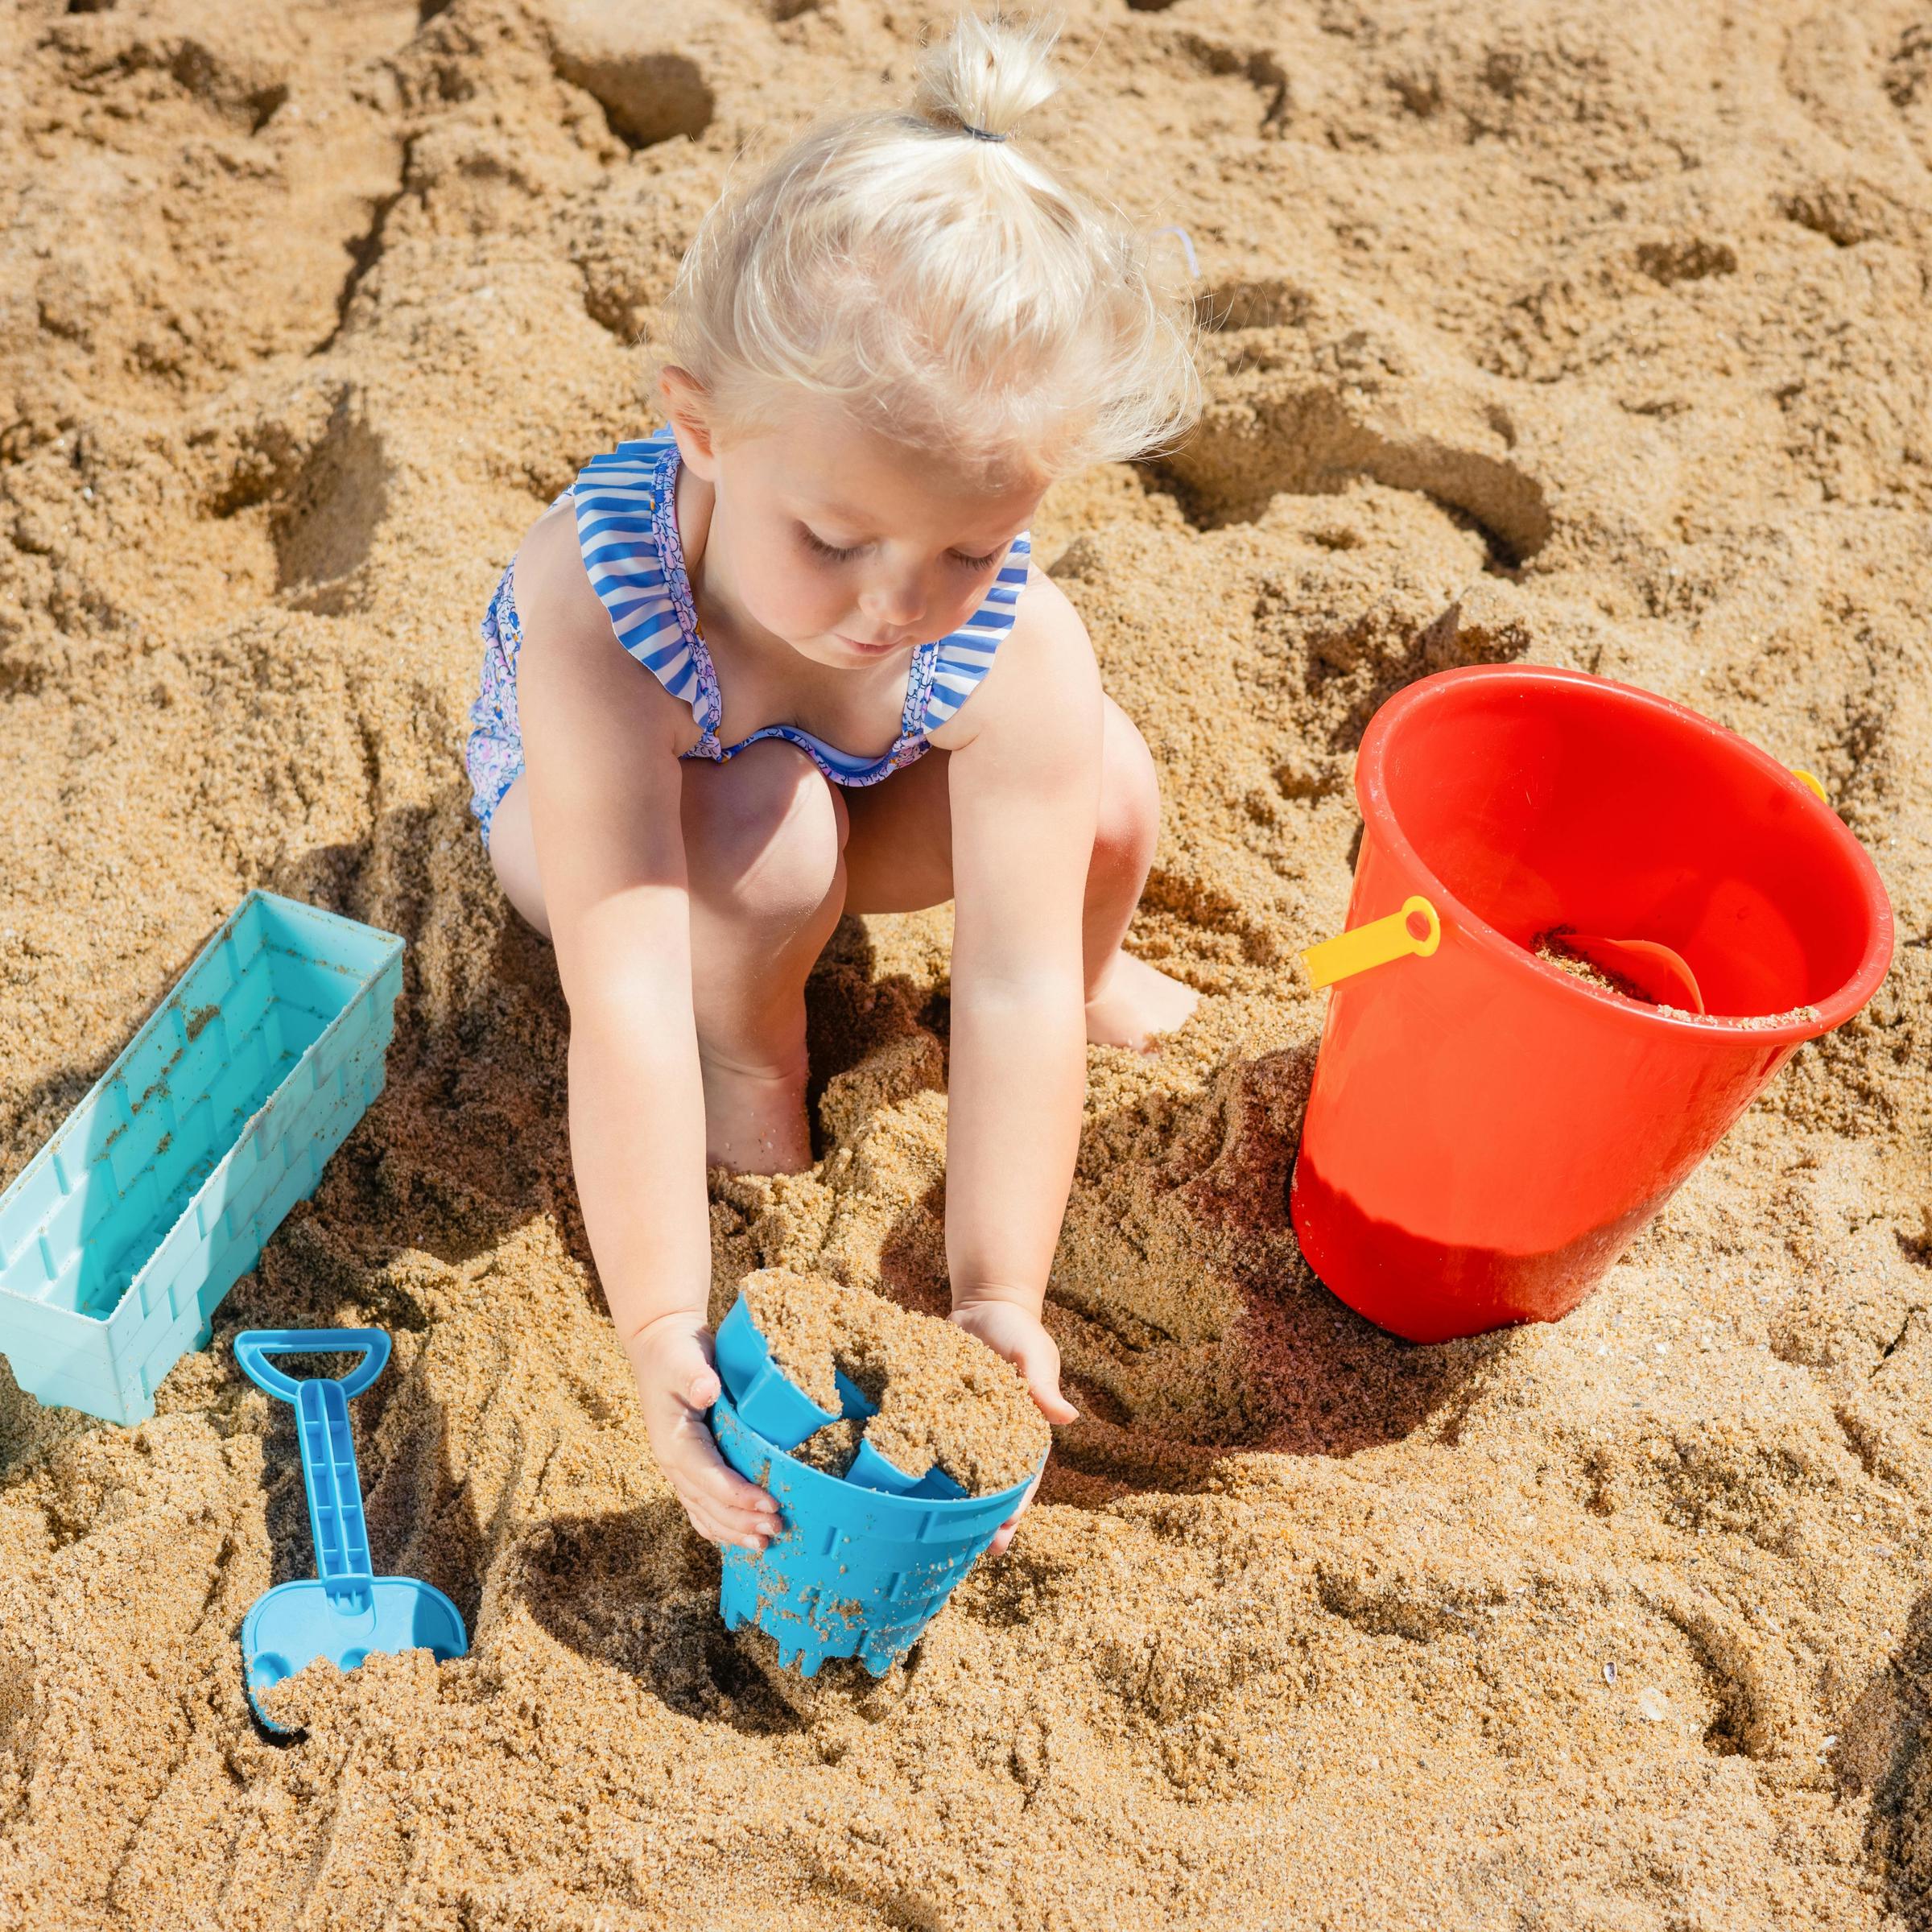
1415, 931
336, 1520
254, 1346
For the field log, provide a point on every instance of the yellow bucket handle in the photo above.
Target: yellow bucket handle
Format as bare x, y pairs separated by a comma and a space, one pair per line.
1805, 778
1376, 943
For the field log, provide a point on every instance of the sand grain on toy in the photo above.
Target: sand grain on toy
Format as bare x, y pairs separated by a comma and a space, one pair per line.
1542, 331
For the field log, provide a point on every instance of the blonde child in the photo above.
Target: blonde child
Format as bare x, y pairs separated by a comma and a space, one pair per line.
789, 657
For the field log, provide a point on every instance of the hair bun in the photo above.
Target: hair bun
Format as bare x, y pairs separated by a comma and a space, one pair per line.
985, 75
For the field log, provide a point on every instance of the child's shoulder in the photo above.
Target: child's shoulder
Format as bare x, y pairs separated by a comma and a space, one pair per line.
1043, 671
1045, 620
554, 593
623, 483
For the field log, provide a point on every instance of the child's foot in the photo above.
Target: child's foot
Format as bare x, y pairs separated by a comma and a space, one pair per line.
754, 1121
1133, 1002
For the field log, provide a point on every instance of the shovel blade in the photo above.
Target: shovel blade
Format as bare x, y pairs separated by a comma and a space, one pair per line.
1657, 972
296, 1623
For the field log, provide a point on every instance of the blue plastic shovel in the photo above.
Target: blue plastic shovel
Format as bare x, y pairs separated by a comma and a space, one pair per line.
343, 1613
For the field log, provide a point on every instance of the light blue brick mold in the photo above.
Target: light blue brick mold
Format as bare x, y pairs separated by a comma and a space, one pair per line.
120, 1237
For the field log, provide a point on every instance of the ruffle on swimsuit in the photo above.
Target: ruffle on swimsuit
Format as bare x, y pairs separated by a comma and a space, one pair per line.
627, 529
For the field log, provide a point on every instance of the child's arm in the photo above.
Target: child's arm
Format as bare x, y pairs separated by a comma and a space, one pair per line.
1025, 792
600, 741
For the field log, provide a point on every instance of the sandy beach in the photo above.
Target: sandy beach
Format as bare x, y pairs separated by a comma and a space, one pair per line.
1591, 336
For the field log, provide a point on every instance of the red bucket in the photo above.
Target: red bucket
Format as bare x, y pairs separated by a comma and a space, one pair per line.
1486, 1134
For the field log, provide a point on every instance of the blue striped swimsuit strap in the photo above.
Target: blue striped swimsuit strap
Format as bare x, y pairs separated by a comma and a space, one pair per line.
627, 529
961, 661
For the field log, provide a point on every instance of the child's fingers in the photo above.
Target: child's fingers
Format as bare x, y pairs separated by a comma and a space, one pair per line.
1053, 1404
739, 1522
724, 1489
1040, 1364
726, 1539
1020, 1338
703, 1476
687, 1370
713, 1530
1004, 1533
722, 1524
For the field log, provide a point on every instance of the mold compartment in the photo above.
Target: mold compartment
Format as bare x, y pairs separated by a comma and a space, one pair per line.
121, 1235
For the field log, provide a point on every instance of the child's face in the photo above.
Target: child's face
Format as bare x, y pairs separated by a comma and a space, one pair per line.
848, 546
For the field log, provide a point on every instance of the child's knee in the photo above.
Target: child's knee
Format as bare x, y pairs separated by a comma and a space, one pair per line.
781, 844
1129, 822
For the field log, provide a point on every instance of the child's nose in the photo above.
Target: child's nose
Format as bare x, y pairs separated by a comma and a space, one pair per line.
896, 604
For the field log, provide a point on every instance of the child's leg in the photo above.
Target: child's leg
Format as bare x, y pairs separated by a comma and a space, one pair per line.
1127, 1001
899, 858
763, 836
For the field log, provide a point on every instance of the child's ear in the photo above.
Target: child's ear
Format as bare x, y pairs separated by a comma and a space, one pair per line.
688, 403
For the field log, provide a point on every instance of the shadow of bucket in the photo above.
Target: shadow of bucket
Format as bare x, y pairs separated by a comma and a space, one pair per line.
1485, 1134
856, 1572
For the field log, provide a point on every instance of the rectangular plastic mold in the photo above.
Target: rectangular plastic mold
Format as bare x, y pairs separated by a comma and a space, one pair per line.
120, 1237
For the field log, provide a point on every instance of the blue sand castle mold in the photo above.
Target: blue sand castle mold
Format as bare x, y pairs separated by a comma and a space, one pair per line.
772, 1404
120, 1237
345, 1612
771, 1401
856, 1572
872, 1470
864, 1561
768, 1399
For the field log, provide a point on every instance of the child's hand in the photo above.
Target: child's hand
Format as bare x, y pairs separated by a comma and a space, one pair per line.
676, 1384
1008, 1329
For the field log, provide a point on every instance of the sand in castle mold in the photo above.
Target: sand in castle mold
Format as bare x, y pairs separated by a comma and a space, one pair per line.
944, 1398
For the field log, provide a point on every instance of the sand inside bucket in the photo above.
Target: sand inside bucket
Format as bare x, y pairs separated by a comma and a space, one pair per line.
832, 1447
1553, 948
944, 1397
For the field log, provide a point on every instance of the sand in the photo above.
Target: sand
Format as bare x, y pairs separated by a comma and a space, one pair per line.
943, 1397
813, 1326
1592, 335
1552, 948
832, 1447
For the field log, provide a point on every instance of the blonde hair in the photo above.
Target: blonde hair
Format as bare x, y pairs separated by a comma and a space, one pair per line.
937, 282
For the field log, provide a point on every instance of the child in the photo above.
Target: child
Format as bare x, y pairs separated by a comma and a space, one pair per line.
789, 658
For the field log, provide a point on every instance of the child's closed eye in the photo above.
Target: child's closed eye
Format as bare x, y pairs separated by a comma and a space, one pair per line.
843, 553
832, 553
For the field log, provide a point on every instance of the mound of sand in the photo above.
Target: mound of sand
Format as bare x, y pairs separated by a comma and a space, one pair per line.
1596, 335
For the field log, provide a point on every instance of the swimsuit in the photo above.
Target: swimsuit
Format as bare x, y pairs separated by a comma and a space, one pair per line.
627, 530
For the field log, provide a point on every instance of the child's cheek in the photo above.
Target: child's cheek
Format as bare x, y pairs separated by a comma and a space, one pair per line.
800, 603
